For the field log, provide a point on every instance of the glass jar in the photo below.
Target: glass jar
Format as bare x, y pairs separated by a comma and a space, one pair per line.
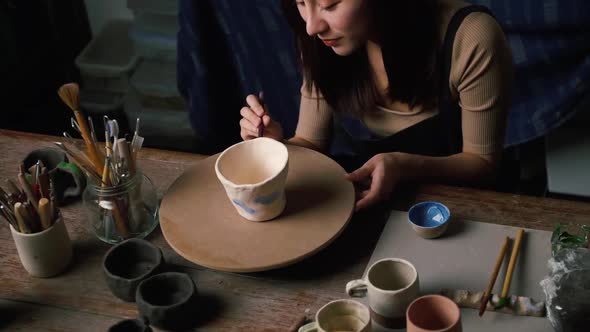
127, 210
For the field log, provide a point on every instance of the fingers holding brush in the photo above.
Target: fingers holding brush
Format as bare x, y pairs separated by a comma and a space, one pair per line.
257, 122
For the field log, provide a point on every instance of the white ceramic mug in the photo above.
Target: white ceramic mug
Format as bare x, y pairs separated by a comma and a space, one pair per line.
254, 174
390, 284
340, 316
46, 253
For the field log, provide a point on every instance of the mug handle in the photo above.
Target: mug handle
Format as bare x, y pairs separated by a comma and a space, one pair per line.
356, 288
309, 327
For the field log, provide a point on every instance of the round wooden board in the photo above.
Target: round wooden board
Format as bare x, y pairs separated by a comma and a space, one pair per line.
201, 224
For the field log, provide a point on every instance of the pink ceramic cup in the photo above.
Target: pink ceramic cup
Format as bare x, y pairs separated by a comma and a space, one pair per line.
433, 313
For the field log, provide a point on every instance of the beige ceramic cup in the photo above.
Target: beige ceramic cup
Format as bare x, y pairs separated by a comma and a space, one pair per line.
433, 313
340, 316
44, 254
254, 174
390, 284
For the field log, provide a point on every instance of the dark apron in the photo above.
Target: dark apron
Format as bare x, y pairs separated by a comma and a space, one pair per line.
439, 135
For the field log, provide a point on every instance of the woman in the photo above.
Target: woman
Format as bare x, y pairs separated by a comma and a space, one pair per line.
418, 89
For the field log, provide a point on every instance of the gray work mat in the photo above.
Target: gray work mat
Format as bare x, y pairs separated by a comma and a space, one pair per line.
463, 258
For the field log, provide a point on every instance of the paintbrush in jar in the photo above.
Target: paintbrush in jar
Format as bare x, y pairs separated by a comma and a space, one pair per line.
70, 95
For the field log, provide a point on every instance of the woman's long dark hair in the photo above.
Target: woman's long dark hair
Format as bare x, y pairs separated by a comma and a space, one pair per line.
407, 31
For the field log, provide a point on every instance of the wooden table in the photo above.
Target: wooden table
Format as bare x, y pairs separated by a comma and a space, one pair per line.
79, 300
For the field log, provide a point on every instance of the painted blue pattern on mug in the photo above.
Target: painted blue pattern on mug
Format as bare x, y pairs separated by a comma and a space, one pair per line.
244, 206
267, 200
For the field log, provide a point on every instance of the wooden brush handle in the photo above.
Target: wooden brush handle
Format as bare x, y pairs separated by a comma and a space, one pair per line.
499, 261
120, 219
90, 145
511, 264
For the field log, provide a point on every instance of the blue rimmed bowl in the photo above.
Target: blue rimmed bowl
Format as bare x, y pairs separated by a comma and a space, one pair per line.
429, 219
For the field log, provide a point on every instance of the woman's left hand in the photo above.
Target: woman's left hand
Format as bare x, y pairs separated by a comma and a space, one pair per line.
379, 175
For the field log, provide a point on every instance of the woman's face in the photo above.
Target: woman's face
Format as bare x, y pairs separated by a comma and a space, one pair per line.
339, 24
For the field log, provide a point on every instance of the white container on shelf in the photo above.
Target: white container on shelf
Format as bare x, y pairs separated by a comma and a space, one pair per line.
155, 83
100, 102
154, 36
161, 127
169, 7
107, 62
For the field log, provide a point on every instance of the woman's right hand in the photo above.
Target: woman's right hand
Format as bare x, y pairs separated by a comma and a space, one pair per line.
253, 116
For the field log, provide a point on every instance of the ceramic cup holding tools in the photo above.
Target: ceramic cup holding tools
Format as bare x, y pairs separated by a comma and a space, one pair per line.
254, 174
431, 313
340, 315
390, 284
46, 253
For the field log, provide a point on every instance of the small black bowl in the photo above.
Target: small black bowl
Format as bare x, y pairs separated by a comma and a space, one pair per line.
130, 325
168, 301
129, 263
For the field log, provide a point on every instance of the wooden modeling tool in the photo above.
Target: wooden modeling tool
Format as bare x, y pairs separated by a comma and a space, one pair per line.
123, 148
261, 127
28, 190
504, 299
20, 213
488, 293
45, 213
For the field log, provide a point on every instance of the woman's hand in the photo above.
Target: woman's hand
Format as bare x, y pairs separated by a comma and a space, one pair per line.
376, 179
253, 116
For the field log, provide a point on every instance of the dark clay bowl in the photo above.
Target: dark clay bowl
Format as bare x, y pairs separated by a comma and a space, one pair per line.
168, 301
129, 263
130, 325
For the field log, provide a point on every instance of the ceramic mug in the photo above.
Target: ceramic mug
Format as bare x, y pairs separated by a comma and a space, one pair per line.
253, 174
432, 313
340, 316
46, 253
391, 284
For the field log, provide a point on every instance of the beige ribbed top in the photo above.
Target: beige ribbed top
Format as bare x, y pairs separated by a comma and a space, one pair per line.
480, 81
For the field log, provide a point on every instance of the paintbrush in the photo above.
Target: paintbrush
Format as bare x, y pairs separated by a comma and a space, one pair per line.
488, 293
70, 94
80, 160
504, 299
261, 127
